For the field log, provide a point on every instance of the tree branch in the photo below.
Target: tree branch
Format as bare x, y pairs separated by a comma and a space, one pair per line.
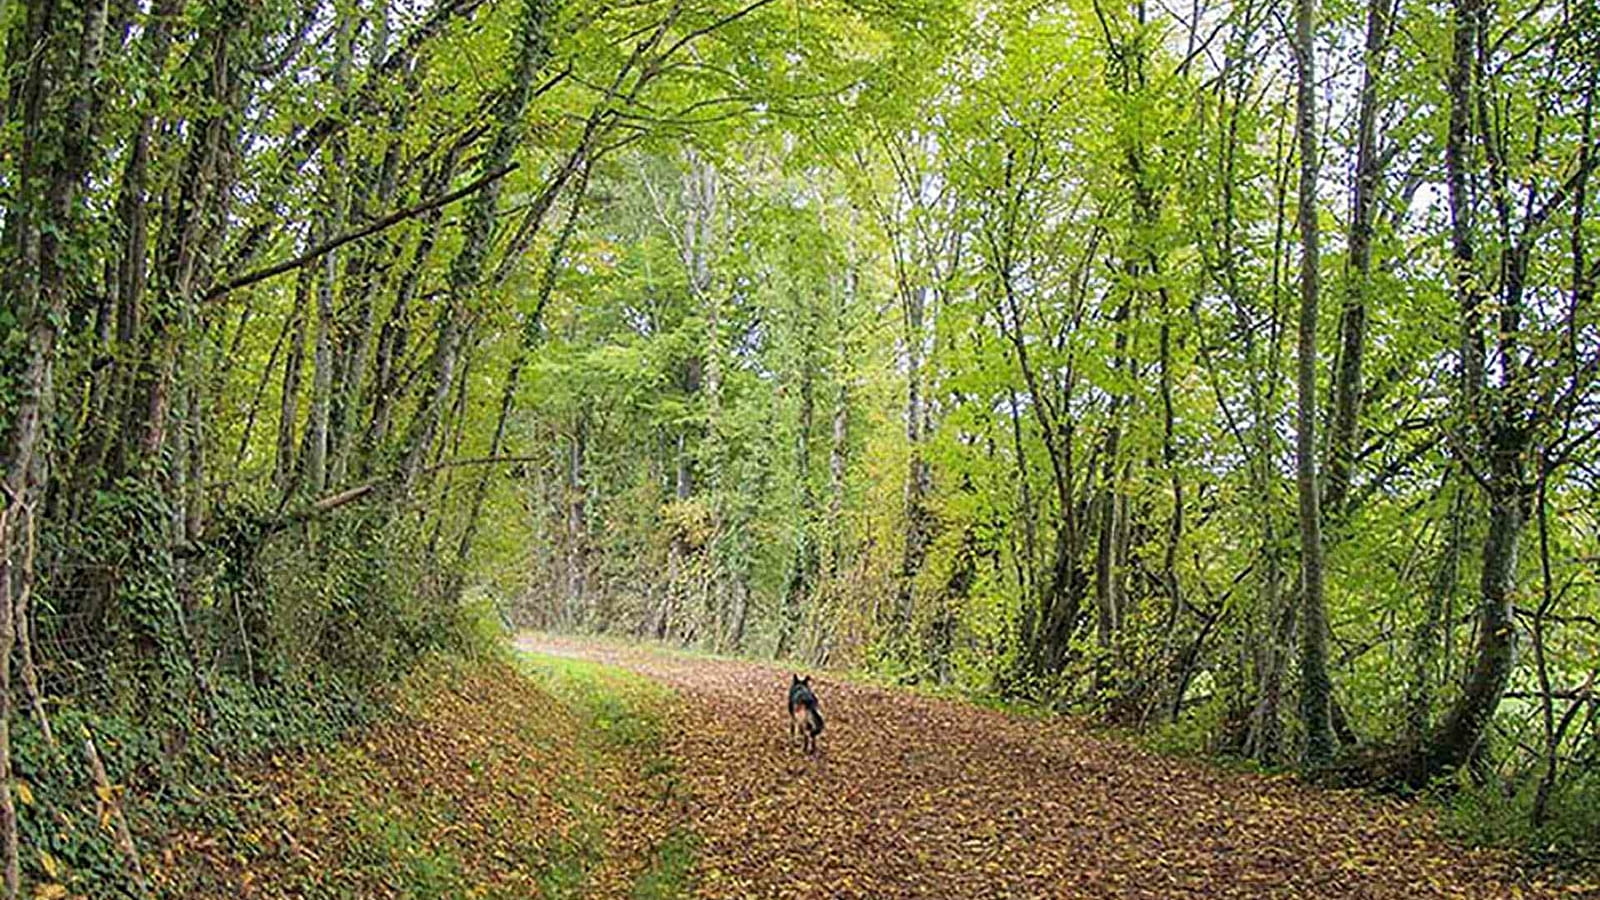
368, 230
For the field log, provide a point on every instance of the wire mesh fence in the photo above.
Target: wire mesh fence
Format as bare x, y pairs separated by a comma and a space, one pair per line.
92, 647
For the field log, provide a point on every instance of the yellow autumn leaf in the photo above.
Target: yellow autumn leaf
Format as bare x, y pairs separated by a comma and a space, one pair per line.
24, 793
51, 866
49, 892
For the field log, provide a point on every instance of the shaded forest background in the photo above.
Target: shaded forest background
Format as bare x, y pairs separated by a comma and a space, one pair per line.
1225, 372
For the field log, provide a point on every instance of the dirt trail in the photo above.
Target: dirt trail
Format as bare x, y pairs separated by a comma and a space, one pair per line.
916, 797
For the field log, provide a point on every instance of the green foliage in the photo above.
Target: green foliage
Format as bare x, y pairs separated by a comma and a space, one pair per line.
394, 848
1499, 812
332, 620
671, 872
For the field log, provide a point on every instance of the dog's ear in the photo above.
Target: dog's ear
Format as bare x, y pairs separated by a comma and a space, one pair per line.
806, 681
795, 677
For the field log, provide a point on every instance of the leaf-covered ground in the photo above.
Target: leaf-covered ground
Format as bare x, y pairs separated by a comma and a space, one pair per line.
544, 780
917, 797
595, 770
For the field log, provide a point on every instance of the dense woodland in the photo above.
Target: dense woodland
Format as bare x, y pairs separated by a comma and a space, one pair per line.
1223, 370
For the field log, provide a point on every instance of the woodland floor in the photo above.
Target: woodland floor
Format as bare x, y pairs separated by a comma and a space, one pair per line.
911, 796
587, 769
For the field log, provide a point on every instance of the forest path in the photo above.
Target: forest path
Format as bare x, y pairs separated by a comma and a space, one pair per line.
911, 796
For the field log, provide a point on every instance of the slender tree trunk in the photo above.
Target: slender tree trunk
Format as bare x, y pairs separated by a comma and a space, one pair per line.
1461, 734
1280, 613
803, 564
1108, 580
332, 223
1503, 440
1108, 522
918, 526
838, 459
527, 341
577, 518
1265, 741
1425, 643
315, 456
530, 53
1344, 429
1316, 690
13, 580
393, 336
285, 465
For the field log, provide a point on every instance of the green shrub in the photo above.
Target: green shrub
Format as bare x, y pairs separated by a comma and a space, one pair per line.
1500, 812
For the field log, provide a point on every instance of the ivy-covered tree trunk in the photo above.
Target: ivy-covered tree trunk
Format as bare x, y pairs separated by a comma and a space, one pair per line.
1316, 691
1425, 645
529, 54
285, 464
1461, 733
392, 338
53, 114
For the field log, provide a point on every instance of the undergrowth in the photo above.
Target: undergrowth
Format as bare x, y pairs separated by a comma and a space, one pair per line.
259, 646
483, 775
1500, 813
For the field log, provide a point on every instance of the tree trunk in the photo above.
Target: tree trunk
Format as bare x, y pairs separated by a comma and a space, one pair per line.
508, 395
577, 523
392, 337
530, 53
1265, 740
1108, 575
334, 190
1461, 734
918, 526
1425, 643
838, 458
36, 256
1315, 688
803, 563
1344, 431
315, 456
285, 466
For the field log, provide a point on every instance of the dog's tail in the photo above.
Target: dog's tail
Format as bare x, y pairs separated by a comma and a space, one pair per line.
816, 719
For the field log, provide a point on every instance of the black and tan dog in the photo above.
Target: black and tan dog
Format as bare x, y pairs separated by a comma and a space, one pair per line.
804, 718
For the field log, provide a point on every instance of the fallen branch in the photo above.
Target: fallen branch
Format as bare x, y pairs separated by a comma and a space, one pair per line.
368, 230
111, 812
